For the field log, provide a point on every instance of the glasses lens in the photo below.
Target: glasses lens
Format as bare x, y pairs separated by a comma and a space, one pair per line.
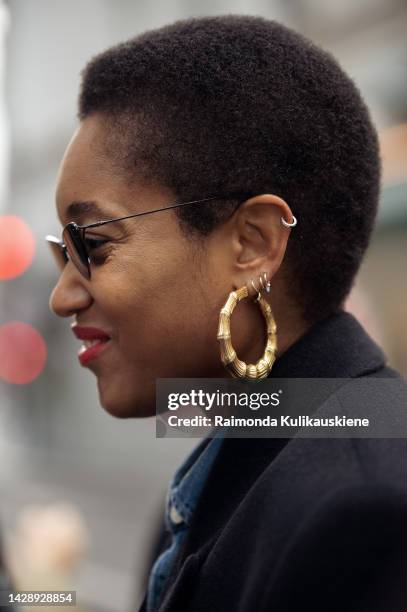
76, 249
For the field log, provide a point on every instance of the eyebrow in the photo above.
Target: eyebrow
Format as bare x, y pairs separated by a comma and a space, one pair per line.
79, 211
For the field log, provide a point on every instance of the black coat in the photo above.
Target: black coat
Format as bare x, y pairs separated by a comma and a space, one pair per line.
303, 524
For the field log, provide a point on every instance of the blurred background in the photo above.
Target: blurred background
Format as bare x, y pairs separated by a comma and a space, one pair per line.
80, 491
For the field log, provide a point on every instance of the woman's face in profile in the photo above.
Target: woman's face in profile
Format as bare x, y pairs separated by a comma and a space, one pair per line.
151, 290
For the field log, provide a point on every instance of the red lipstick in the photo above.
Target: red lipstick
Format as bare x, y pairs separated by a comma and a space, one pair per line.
96, 340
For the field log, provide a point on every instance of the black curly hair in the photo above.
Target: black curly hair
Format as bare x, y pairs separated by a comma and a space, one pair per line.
235, 104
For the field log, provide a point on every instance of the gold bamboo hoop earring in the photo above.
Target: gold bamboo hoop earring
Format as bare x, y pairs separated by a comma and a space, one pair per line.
237, 367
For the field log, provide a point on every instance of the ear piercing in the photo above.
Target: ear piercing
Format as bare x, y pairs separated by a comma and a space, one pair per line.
264, 283
254, 287
286, 224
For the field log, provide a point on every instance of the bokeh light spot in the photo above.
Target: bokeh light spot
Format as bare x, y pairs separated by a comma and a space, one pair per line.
17, 246
23, 353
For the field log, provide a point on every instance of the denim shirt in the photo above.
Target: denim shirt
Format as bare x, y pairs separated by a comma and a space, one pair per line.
182, 496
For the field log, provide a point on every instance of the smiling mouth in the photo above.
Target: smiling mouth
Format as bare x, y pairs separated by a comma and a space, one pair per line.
91, 349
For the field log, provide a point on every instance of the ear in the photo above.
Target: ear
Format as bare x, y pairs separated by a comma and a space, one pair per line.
259, 239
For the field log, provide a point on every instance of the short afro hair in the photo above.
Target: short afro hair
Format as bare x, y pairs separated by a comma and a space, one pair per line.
234, 104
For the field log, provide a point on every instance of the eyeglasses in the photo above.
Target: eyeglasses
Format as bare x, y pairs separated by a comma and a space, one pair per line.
74, 247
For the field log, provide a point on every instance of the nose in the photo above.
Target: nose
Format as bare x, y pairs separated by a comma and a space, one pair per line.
70, 294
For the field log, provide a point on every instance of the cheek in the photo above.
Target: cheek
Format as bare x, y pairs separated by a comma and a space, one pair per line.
153, 307
163, 310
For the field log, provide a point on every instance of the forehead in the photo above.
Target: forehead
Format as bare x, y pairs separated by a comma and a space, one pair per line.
88, 174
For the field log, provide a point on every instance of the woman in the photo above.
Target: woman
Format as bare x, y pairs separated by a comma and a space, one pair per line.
226, 154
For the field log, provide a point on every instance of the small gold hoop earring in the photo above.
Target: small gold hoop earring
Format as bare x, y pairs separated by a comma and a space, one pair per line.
254, 286
237, 367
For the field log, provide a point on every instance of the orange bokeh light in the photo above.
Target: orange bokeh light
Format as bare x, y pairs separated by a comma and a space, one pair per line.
17, 246
23, 353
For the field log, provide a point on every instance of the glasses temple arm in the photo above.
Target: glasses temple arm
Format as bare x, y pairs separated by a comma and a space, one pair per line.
149, 212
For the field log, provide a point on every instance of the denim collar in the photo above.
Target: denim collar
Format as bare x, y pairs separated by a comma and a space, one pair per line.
188, 481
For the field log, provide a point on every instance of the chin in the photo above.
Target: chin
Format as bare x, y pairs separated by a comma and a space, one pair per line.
125, 406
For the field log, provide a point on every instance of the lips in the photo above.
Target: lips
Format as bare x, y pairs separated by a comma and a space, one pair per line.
86, 354
95, 341
89, 333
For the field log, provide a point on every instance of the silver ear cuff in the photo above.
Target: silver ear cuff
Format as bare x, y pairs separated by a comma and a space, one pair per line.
286, 224
264, 283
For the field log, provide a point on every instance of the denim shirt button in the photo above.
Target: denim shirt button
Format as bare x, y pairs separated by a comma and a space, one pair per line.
175, 516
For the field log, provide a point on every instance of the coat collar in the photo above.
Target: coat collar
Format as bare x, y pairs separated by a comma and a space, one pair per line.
337, 347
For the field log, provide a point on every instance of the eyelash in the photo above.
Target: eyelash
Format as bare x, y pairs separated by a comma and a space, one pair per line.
92, 244
93, 241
